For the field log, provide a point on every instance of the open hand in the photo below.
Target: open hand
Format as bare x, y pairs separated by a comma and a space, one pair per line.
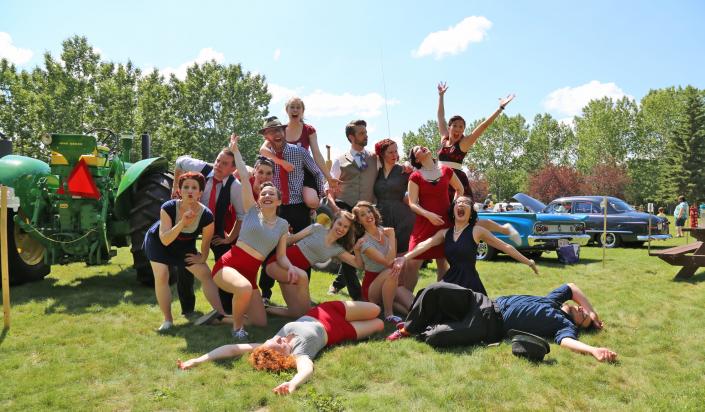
358, 244
442, 87
596, 322
292, 275
504, 102
286, 166
284, 389
333, 183
185, 365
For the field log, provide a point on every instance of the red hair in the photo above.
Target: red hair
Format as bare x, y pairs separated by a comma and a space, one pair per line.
382, 145
267, 358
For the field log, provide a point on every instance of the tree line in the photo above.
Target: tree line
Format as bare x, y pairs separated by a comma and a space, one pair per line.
650, 151
77, 92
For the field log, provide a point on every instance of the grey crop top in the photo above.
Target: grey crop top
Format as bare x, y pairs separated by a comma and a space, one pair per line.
259, 235
371, 265
310, 336
314, 247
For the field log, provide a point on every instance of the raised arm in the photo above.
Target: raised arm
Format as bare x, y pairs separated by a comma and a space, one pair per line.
304, 370
427, 244
318, 158
267, 152
442, 125
582, 300
299, 235
470, 139
457, 186
222, 352
601, 354
479, 233
248, 199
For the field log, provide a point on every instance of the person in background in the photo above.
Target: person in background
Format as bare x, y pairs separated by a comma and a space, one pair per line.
693, 213
680, 213
662, 212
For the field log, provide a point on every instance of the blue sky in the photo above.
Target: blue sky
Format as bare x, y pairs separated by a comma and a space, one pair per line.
555, 55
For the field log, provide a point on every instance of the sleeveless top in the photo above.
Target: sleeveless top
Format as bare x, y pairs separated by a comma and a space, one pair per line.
190, 232
259, 235
451, 156
383, 248
462, 255
303, 140
314, 247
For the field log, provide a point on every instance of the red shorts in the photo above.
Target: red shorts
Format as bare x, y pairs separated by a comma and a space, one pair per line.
241, 261
366, 282
332, 317
295, 257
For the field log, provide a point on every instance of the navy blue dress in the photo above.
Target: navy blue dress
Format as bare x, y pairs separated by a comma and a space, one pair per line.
175, 253
461, 255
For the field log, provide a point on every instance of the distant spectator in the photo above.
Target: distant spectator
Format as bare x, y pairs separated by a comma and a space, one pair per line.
662, 212
510, 208
640, 208
694, 215
680, 213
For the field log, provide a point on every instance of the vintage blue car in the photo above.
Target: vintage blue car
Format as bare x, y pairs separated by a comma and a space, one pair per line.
624, 224
540, 232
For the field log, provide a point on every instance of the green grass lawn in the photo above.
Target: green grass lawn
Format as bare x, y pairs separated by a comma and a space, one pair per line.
84, 339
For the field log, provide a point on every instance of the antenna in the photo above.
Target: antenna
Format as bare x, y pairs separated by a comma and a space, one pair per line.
384, 88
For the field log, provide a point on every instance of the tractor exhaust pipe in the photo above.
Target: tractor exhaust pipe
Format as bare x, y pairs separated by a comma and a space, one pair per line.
5, 146
146, 146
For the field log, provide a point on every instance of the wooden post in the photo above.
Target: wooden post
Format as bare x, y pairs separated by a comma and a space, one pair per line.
3, 255
604, 230
329, 163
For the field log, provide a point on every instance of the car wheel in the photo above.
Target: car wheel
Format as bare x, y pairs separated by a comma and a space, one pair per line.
533, 254
610, 240
485, 251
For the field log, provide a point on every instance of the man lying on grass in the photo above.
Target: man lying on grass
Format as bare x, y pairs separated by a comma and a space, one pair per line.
445, 314
298, 342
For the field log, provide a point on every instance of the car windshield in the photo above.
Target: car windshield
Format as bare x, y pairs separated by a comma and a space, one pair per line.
620, 205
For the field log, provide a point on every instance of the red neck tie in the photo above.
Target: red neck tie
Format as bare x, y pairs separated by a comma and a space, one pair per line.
283, 182
211, 199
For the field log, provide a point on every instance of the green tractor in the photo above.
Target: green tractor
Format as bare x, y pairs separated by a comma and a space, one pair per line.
82, 205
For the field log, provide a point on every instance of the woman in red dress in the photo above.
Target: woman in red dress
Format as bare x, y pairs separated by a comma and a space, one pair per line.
454, 144
428, 198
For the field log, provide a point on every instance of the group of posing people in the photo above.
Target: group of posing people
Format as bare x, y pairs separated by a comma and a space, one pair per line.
389, 218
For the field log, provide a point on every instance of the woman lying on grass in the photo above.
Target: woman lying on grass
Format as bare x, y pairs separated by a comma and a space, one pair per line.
298, 342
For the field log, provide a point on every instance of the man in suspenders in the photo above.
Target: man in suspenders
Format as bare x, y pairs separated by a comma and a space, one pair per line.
223, 195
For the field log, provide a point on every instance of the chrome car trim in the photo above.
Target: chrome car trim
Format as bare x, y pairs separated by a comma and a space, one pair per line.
581, 240
645, 238
628, 232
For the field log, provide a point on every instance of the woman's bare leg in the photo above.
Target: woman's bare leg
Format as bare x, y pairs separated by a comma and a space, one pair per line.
297, 298
365, 328
210, 290
441, 268
256, 315
382, 291
310, 196
411, 274
356, 310
162, 289
404, 298
230, 280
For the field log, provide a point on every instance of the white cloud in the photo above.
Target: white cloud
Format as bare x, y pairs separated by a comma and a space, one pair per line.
569, 101
323, 104
11, 52
204, 56
455, 39
277, 54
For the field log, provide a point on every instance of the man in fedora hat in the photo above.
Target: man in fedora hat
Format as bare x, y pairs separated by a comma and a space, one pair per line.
448, 313
290, 184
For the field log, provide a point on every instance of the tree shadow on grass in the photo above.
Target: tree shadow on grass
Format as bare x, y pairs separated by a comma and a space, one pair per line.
82, 295
545, 261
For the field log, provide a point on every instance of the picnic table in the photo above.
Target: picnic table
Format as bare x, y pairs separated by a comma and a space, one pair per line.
680, 255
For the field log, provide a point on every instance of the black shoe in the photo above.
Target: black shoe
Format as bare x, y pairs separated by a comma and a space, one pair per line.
209, 318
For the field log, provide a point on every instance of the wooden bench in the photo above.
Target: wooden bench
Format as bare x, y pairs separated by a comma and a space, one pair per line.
679, 255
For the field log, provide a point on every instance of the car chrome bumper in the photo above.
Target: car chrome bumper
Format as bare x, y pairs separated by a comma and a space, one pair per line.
535, 240
645, 238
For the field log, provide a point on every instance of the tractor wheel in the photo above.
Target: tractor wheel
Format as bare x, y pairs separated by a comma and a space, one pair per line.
25, 255
148, 195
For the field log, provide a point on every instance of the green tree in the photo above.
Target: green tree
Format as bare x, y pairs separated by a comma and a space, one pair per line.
605, 132
684, 168
550, 142
498, 155
212, 102
426, 135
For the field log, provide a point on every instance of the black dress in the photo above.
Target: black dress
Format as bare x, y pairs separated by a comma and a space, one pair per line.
390, 192
461, 255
